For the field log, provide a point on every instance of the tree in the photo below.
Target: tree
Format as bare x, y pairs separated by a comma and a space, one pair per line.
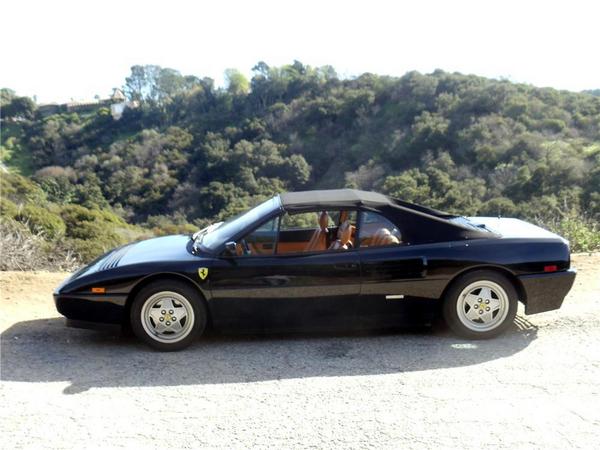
155, 84
410, 186
21, 107
237, 83
167, 83
6, 96
135, 84
261, 69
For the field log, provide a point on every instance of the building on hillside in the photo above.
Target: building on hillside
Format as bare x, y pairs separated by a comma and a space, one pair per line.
83, 106
118, 96
120, 104
117, 102
47, 109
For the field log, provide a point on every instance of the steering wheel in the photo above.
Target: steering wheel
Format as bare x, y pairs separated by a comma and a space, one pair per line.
245, 247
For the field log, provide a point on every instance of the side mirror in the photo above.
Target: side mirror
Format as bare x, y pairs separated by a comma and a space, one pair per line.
231, 248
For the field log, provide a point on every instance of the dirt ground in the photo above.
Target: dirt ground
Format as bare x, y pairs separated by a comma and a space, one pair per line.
536, 386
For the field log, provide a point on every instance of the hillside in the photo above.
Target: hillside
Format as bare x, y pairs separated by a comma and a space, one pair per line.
188, 153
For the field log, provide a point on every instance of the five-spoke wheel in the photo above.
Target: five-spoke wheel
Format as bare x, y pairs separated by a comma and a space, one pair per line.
168, 315
480, 304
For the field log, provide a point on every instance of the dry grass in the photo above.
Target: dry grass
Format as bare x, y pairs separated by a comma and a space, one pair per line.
20, 249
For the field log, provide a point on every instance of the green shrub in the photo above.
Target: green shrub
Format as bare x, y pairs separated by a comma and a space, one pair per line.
75, 214
164, 225
89, 249
92, 232
89, 231
582, 233
108, 216
499, 206
8, 209
19, 188
41, 220
554, 125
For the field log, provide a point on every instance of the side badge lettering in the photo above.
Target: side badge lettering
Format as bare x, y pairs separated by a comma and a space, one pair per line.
203, 273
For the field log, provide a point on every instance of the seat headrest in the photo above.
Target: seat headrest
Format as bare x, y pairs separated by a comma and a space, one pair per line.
345, 232
343, 216
323, 220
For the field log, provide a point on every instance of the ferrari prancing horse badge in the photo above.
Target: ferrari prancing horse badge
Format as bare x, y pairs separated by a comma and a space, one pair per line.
203, 273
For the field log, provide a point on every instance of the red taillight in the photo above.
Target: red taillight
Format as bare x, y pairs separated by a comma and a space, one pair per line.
550, 268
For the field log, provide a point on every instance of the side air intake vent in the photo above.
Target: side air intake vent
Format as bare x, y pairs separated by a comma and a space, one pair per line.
113, 259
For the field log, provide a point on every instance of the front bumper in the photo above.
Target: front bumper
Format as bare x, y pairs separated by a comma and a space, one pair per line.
546, 291
103, 309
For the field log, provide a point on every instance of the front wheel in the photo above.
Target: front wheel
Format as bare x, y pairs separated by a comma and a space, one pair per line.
168, 315
480, 305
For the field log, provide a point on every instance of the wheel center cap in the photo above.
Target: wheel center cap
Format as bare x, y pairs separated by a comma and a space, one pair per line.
482, 306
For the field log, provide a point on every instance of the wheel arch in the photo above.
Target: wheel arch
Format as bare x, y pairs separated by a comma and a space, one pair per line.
163, 276
521, 293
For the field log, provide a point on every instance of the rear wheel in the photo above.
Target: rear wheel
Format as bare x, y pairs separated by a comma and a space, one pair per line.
480, 304
168, 315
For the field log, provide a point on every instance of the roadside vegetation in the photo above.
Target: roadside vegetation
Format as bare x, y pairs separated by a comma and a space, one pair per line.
39, 234
192, 153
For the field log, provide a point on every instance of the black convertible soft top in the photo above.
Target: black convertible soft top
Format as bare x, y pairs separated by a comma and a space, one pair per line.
346, 198
422, 224
332, 197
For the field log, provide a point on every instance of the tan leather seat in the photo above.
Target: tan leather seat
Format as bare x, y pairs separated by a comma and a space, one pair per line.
383, 236
344, 237
318, 241
343, 218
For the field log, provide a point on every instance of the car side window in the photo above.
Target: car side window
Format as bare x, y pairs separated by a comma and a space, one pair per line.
260, 241
316, 231
376, 231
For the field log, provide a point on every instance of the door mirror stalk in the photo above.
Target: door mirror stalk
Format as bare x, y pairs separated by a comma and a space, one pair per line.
230, 248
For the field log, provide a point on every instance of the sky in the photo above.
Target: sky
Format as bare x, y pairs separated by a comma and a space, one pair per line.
60, 50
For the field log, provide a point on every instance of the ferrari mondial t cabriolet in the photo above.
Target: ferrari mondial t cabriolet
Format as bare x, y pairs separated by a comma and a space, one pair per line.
321, 260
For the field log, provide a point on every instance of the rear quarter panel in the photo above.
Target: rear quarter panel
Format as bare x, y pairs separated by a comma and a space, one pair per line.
517, 255
440, 263
522, 260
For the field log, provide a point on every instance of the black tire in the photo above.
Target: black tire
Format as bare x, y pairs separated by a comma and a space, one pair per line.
452, 306
189, 293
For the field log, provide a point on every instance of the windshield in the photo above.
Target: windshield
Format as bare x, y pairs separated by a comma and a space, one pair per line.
236, 224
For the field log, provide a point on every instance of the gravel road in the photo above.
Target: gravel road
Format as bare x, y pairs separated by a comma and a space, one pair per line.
536, 386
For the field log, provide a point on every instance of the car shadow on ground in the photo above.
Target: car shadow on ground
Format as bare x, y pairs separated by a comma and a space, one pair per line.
46, 351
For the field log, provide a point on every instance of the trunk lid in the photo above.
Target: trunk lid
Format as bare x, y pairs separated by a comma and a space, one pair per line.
510, 228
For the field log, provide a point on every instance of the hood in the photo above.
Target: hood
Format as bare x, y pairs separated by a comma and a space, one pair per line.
165, 248
162, 249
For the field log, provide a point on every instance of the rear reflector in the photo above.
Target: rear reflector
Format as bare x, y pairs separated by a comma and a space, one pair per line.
550, 268
98, 290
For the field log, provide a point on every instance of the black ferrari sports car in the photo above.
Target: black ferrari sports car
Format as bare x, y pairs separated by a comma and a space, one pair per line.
321, 260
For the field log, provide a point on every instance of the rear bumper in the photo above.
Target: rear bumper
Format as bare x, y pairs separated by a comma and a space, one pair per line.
546, 291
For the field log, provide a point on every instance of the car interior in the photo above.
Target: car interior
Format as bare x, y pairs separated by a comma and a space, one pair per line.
319, 231
377, 231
